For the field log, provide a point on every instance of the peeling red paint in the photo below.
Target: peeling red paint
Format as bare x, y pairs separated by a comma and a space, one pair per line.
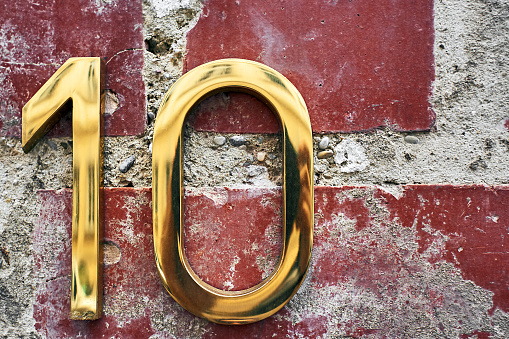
129, 282
53, 258
278, 327
124, 76
358, 64
236, 112
18, 86
373, 255
477, 334
51, 311
216, 230
40, 37
132, 288
473, 226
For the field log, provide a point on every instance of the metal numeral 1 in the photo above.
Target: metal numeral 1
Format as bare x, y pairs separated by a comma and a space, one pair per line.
266, 298
80, 82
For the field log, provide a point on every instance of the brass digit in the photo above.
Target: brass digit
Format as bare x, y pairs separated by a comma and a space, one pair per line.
79, 81
266, 298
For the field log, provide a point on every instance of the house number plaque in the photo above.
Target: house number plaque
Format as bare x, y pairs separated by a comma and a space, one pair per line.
81, 81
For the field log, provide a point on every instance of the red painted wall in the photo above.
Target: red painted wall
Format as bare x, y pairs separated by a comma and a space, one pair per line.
358, 64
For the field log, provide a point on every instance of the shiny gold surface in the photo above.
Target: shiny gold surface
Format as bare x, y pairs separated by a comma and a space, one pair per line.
266, 298
79, 81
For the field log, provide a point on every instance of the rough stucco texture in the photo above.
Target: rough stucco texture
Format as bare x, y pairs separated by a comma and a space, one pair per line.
408, 104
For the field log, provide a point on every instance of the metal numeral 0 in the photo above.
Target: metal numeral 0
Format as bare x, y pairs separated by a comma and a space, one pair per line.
79, 81
266, 298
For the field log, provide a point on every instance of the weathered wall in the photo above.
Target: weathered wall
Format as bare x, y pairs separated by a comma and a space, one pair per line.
399, 252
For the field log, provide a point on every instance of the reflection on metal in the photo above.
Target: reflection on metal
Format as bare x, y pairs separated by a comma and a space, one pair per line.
80, 82
266, 298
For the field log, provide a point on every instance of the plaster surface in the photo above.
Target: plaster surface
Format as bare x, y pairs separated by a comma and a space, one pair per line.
468, 145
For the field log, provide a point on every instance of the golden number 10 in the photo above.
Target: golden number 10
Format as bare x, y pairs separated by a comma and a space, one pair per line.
226, 307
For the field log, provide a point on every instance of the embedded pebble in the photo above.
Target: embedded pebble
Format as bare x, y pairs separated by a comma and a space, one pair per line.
127, 164
219, 140
111, 253
261, 156
254, 170
111, 102
237, 140
272, 156
51, 144
320, 168
327, 175
411, 139
151, 117
325, 154
324, 143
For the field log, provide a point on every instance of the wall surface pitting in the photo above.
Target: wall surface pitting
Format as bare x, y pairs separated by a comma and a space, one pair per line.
409, 109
